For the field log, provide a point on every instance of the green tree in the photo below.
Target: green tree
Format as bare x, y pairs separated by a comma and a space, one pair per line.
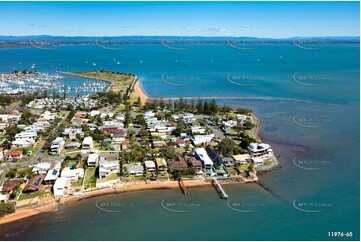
227, 146
199, 106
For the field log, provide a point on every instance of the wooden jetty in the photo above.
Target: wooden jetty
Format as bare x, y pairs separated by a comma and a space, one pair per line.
220, 188
182, 186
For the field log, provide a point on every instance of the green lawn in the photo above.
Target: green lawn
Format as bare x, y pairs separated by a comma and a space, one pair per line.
268, 162
112, 177
2, 177
78, 184
25, 196
232, 171
243, 167
90, 179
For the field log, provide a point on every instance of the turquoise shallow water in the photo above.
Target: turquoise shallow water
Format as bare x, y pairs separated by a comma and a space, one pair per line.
317, 141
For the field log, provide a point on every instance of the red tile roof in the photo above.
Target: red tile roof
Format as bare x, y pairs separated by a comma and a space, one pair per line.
14, 153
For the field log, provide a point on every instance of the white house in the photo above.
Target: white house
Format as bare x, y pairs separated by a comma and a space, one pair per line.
57, 146
202, 155
87, 143
241, 118
26, 135
61, 186
189, 118
149, 165
201, 139
72, 174
42, 168
93, 160
149, 114
21, 143
94, 113
107, 167
198, 130
260, 150
229, 124
51, 176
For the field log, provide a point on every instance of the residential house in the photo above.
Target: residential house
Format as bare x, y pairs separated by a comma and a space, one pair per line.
9, 185
241, 118
228, 125
149, 114
107, 167
61, 187
125, 145
202, 155
181, 143
171, 144
161, 164
72, 174
28, 135
260, 150
21, 143
202, 139
189, 118
93, 160
87, 143
195, 164
198, 130
72, 133
216, 159
57, 146
177, 164
119, 136
242, 159
51, 176
228, 161
34, 184
73, 145
159, 144
149, 165
13, 155
134, 169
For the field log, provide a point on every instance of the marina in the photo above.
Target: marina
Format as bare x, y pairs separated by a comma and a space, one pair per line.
57, 85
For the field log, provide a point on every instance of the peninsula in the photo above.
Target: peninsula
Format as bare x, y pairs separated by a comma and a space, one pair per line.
121, 140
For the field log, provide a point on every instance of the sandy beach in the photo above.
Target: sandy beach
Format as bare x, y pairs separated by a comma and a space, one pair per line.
52, 206
138, 89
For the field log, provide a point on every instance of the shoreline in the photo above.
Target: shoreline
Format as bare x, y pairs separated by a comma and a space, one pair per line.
52, 206
139, 90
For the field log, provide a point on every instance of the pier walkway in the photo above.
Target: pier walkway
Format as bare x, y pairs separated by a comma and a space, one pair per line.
220, 188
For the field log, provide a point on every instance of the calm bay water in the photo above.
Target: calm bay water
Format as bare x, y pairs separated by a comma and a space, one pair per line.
311, 119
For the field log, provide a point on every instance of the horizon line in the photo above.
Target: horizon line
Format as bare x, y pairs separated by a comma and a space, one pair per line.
224, 36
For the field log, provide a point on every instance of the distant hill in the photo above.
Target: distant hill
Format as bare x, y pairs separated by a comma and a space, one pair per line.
24, 41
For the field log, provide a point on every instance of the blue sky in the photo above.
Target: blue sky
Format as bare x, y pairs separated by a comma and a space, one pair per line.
258, 19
